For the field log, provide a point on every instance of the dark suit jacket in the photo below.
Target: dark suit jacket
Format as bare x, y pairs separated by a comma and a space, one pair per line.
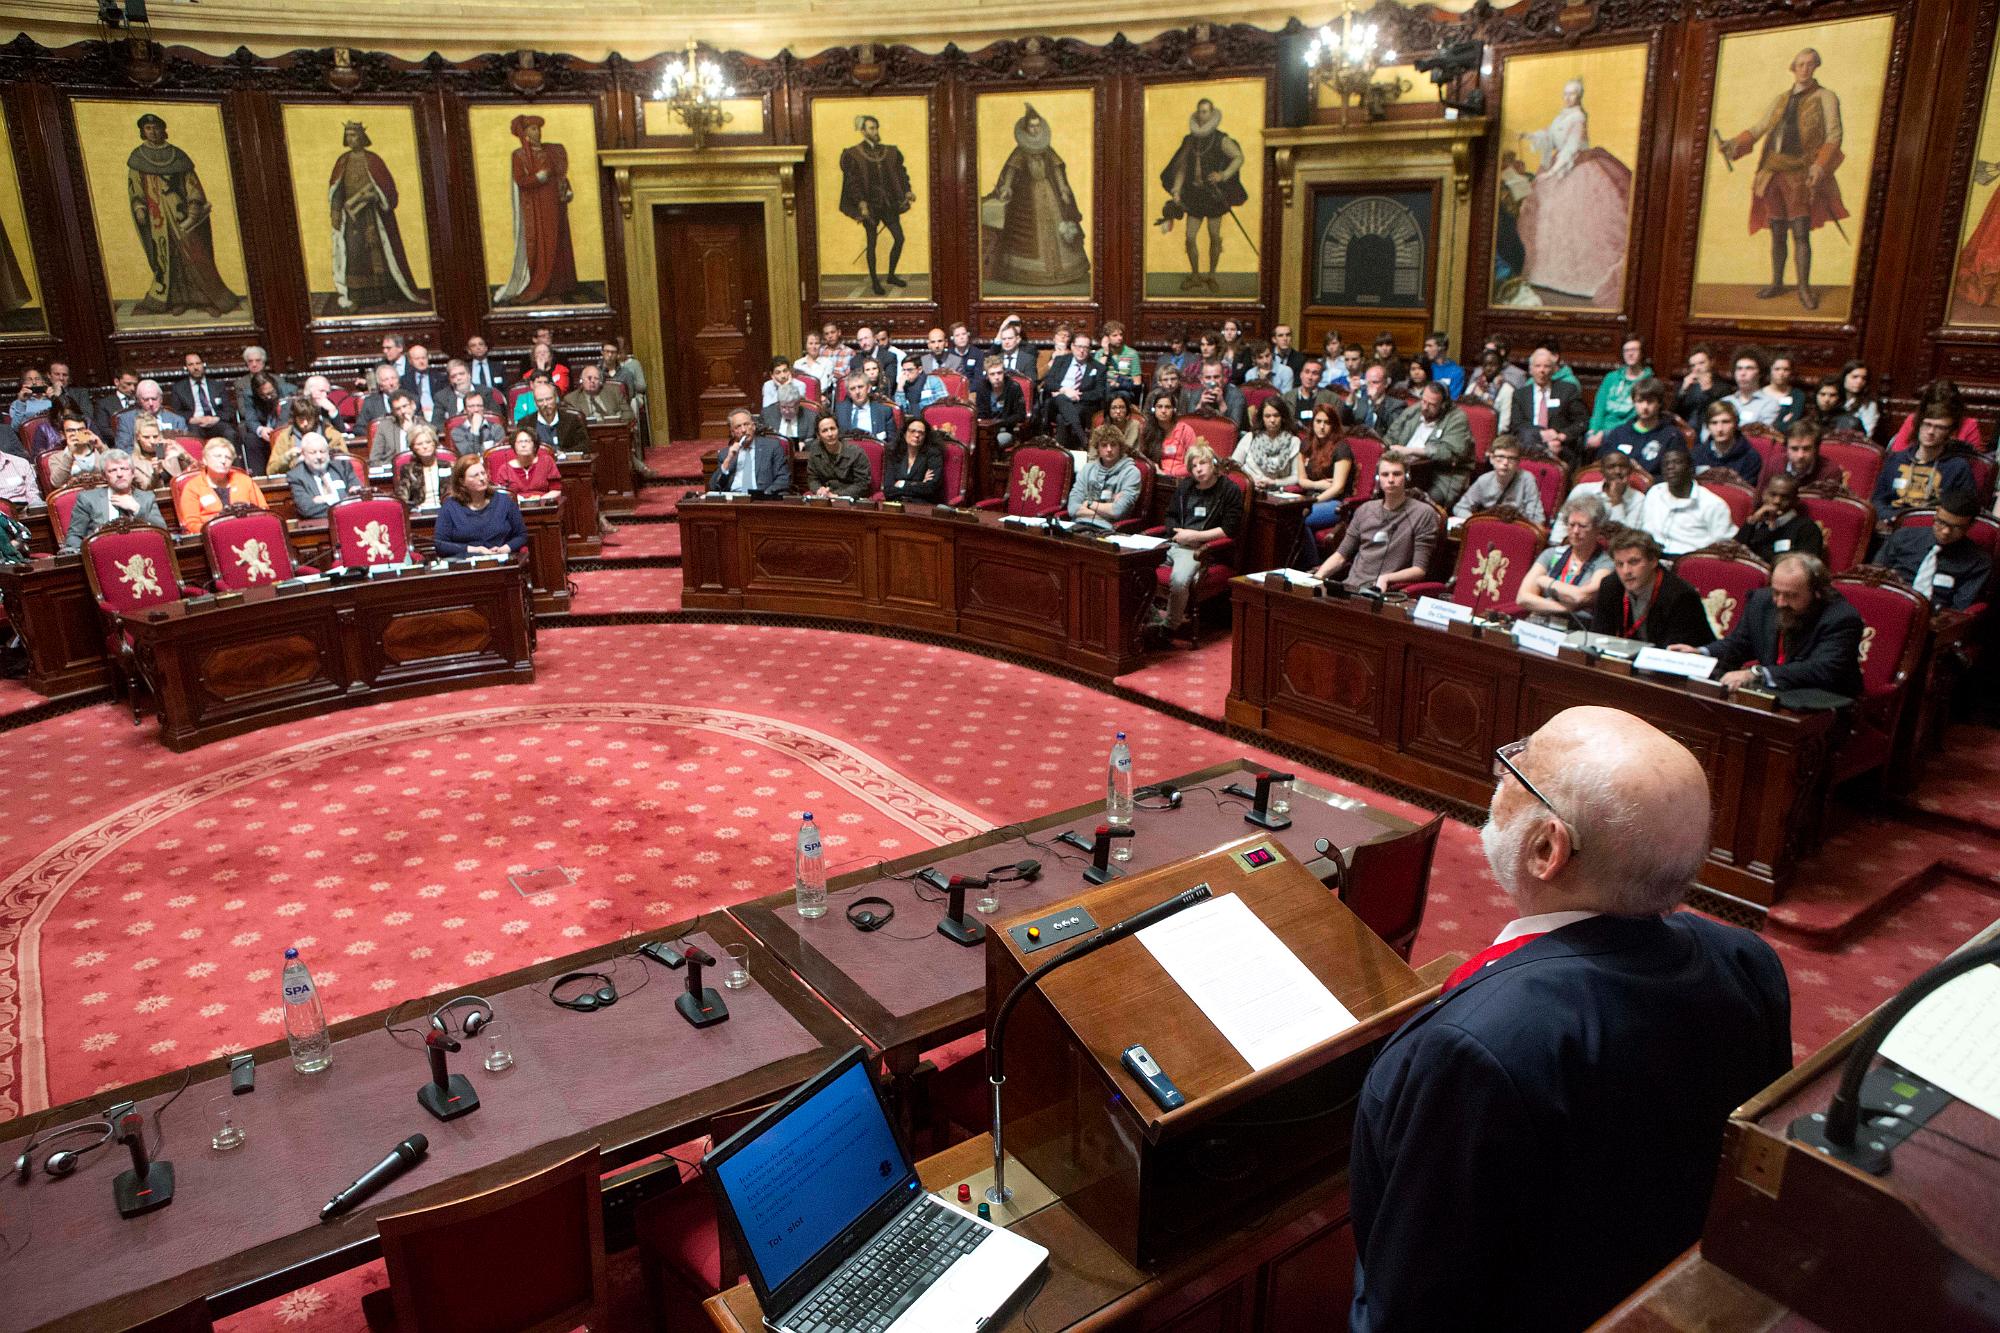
180, 397
1568, 413
78, 399
1676, 615
305, 494
571, 436
441, 394
770, 418
1824, 654
881, 418
498, 375
1540, 1141
774, 466
1009, 407
1962, 562
109, 408
1367, 413
1021, 361
373, 407
1091, 385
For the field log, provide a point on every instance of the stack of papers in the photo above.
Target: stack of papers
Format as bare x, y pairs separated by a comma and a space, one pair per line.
1135, 541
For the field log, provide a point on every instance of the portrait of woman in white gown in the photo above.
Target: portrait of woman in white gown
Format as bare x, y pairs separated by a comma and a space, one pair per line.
1573, 210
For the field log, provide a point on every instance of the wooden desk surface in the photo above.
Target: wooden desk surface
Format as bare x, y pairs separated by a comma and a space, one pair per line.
633, 1079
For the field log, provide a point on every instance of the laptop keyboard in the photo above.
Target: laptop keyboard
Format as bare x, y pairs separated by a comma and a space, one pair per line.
886, 1277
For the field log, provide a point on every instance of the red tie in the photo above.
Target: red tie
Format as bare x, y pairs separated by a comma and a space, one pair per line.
1492, 953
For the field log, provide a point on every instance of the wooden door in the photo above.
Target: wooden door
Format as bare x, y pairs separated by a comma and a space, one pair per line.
715, 323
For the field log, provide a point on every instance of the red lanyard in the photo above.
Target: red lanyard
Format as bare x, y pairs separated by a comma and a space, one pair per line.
1572, 565
1632, 626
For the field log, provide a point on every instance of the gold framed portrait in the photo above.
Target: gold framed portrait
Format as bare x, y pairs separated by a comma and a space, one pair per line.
1204, 156
541, 221
21, 311
872, 197
1975, 277
358, 191
1036, 171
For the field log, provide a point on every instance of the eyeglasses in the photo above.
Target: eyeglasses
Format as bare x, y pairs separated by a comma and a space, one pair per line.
1503, 766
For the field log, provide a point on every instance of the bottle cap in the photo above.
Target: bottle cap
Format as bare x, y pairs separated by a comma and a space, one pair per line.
1121, 735
291, 953
809, 814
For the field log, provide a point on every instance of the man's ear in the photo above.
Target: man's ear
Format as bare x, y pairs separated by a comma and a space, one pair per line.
1551, 849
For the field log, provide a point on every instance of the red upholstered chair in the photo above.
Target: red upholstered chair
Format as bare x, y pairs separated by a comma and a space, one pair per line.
7, 508
499, 454
1846, 523
451, 424
1897, 621
41, 437
1484, 423
1254, 397
1859, 461
1038, 480
1725, 575
872, 449
1218, 433
373, 427
1387, 884
1495, 551
1219, 559
344, 402
957, 464
62, 503
1027, 390
954, 417
1983, 471
955, 385
527, 1255
1770, 447
246, 546
1550, 480
1148, 480
1367, 450
1639, 479
808, 386
369, 530
44, 476
131, 569
515, 395
1735, 493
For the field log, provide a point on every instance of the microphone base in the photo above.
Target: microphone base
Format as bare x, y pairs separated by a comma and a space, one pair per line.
960, 931
453, 1100
1265, 820
704, 1010
1096, 874
135, 1197
1872, 1157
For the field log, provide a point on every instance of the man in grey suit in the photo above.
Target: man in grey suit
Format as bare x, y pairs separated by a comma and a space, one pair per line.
479, 431
752, 464
318, 480
1438, 434
255, 362
119, 498
152, 401
790, 418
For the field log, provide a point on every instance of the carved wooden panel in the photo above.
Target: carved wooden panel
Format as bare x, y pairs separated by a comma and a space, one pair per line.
1005, 587
238, 670
1343, 680
416, 636
798, 559
1450, 710
914, 570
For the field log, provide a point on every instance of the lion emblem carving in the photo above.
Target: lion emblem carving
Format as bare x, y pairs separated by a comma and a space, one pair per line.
138, 576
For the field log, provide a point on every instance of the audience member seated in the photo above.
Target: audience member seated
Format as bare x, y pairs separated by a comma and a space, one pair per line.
1419, 376
1122, 367
782, 378
1373, 407
1680, 515
1507, 484
220, 483
1517, 1161
424, 479
960, 356
1213, 395
1443, 370
1723, 445
1753, 406
917, 388
1914, 477
150, 402
1266, 369
791, 417
1438, 434
393, 355
1623, 502
542, 361
1392, 365
1560, 588
1310, 391
157, 456
1072, 393
868, 346
1269, 455
1333, 355
459, 387
1206, 508
556, 427
476, 518
1327, 460
1699, 387
1941, 561
318, 390
389, 437
1489, 387
529, 471
623, 369
1814, 473
202, 403
814, 362
1000, 400
1549, 415
1646, 601
1167, 438
595, 400
479, 431
836, 466
1106, 490
1777, 526
1015, 356
380, 400
120, 497
1857, 402
1172, 379
751, 464
304, 419
1614, 405
1646, 433
837, 352
261, 412
17, 481
914, 469
861, 414
124, 396
1791, 399
321, 478
1390, 538
83, 452
1796, 634
61, 390
32, 400
428, 385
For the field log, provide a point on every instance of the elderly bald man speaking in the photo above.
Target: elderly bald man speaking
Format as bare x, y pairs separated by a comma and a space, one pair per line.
1536, 1144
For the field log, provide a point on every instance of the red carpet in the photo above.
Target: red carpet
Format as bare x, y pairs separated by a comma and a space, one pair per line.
650, 540
1963, 782
601, 591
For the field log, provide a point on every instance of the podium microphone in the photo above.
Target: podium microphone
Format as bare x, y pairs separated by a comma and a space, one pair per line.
700, 1005
1260, 812
1100, 870
448, 1095
996, 1047
957, 926
400, 1159
149, 1184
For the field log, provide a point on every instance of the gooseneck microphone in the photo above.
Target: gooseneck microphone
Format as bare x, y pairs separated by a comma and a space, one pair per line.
149, 1184
957, 926
699, 1004
447, 1096
1260, 812
996, 1047
400, 1159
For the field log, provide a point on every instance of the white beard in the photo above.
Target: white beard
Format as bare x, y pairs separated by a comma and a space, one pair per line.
1504, 846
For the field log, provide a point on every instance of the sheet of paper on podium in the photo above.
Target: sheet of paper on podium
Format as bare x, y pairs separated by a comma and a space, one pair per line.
1240, 974
1948, 1038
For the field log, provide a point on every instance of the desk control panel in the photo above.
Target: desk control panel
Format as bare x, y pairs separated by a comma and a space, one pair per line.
1055, 928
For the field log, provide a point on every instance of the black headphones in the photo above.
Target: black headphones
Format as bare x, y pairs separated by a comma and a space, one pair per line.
63, 1161
863, 919
1161, 795
603, 997
481, 1015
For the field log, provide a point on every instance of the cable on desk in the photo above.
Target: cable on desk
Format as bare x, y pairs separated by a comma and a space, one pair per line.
1947, 1136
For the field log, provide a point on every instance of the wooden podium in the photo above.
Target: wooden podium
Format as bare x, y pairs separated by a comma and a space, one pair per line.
1154, 1183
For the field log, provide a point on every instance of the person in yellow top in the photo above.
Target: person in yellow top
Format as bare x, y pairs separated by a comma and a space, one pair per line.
217, 485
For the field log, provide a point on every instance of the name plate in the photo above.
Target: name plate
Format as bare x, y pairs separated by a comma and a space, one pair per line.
1436, 611
1692, 666
1533, 638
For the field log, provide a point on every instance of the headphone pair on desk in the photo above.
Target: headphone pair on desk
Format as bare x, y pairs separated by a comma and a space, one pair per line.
871, 914
63, 1161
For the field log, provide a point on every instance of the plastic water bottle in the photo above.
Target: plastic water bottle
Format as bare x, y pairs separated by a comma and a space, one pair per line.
305, 1018
1118, 795
810, 889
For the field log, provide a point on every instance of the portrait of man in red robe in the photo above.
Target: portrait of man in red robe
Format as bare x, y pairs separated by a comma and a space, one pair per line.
370, 270
544, 263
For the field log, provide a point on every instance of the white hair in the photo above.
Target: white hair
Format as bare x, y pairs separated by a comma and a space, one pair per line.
1634, 862
1575, 86
143, 385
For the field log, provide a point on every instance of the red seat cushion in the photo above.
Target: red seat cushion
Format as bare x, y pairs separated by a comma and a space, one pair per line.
1846, 523
1740, 498
1493, 556
680, 1230
246, 550
1725, 584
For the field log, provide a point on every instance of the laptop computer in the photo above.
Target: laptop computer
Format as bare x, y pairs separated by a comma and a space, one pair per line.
836, 1231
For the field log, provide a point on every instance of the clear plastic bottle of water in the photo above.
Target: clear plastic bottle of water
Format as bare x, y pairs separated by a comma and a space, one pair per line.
305, 1018
1118, 795
810, 889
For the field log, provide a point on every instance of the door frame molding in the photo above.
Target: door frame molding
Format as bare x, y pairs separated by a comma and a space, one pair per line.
764, 174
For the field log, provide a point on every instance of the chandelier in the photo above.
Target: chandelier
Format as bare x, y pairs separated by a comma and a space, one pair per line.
1347, 58
694, 89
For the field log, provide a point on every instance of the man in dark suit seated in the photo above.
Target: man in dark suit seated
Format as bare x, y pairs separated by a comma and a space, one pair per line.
860, 413
480, 430
204, 403
1549, 415
1011, 352
428, 386
1000, 400
1072, 393
1213, 395
1645, 601
380, 400
321, 480
1942, 562
151, 402
555, 425
751, 464
1796, 634
123, 398
790, 417
1543, 1138
1373, 407
489, 374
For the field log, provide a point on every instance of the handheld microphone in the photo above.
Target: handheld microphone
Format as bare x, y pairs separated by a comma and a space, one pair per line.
400, 1159
956, 926
700, 1005
149, 1184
